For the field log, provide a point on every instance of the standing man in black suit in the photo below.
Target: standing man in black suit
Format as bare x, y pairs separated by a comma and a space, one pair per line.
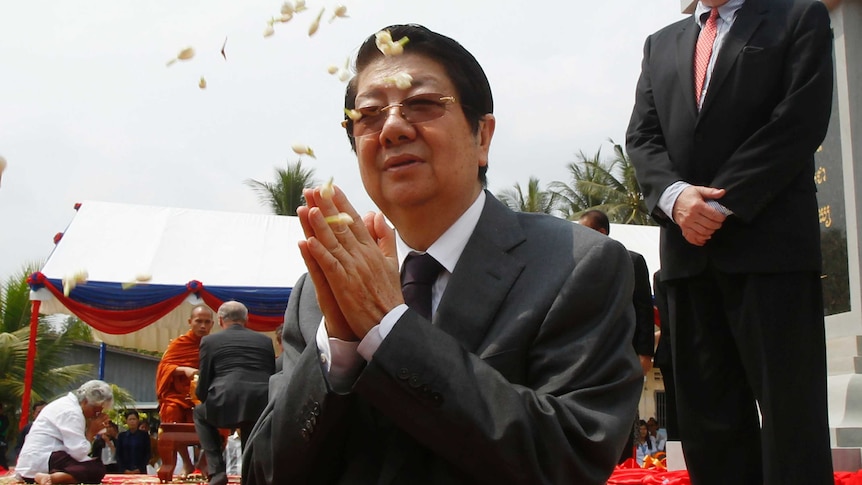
235, 366
730, 107
515, 367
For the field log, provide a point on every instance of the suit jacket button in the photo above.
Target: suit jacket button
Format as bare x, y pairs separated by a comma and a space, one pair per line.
437, 399
414, 381
403, 373
306, 436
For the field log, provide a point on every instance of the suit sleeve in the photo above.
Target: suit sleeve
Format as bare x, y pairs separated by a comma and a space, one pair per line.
646, 144
774, 155
204, 370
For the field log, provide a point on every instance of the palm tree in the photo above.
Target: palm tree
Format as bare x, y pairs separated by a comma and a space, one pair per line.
607, 185
285, 194
535, 200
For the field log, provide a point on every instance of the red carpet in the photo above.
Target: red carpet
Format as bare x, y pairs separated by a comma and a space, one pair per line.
621, 476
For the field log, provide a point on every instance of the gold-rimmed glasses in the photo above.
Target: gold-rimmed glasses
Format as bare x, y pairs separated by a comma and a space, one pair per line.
369, 120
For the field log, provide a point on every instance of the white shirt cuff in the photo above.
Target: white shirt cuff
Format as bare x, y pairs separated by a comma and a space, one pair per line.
669, 196
375, 336
339, 359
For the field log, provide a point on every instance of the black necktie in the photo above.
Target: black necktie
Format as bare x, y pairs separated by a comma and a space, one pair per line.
418, 276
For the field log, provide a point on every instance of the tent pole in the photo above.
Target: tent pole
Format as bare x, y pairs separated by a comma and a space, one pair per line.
31, 363
102, 351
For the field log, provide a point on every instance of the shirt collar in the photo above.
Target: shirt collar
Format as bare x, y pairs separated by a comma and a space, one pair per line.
448, 247
725, 12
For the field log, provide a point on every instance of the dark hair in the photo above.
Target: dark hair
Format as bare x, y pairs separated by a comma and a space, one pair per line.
472, 89
38, 404
648, 437
131, 412
598, 219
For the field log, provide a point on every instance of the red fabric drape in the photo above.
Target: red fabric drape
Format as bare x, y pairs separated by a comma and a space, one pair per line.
31, 363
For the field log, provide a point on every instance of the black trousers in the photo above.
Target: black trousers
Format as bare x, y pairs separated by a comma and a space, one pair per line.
212, 442
743, 341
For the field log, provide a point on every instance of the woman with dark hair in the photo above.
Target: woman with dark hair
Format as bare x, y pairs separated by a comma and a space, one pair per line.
644, 443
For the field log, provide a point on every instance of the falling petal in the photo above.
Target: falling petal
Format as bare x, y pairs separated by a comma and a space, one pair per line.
202, 83
143, 277
222, 49
285, 18
343, 76
332, 69
402, 80
287, 8
73, 280
128, 284
340, 11
327, 190
186, 54
353, 114
382, 38
316, 24
387, 46
3, 165
301, 149
300, 6
269, 31
341, 218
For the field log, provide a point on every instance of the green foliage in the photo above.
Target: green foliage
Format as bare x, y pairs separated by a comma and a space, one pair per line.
15, 299
285, 194
607, 185
534, 200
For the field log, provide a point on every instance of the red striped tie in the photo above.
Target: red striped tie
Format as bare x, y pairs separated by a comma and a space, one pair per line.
703, 52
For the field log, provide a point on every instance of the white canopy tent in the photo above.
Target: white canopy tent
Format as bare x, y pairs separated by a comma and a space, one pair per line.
116, 242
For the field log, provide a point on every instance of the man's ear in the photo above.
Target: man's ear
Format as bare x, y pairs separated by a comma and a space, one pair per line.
486, 132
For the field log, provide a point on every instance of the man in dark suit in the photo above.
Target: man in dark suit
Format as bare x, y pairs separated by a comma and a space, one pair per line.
726, 121
517, 365
235, 366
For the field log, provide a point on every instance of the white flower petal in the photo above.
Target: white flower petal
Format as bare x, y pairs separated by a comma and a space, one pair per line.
340, 218
327, 190
186, 54
301, 149
316, 24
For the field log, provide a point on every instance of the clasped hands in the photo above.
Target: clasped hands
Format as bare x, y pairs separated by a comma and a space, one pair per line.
697, 220
353, 265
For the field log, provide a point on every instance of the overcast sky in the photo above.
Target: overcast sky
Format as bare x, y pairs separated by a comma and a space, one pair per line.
89, 110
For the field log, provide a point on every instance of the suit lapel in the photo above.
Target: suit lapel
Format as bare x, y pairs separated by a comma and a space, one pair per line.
485, 273
748, 18
686, 41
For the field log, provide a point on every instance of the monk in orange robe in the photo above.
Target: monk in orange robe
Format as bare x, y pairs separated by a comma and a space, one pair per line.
176, 370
